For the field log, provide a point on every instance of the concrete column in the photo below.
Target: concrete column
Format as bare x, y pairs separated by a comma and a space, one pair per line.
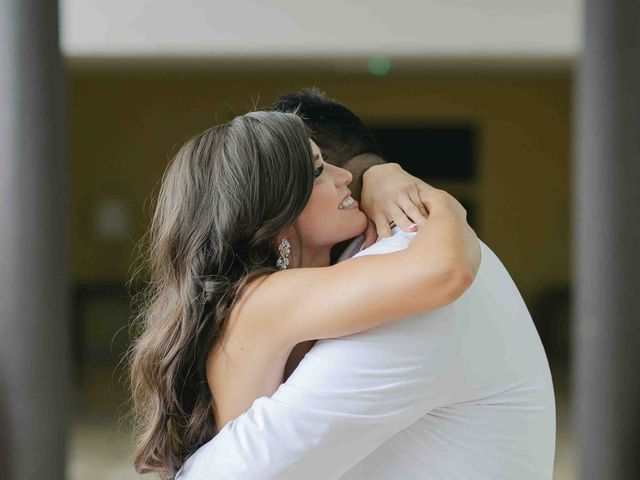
34, 280
607, 243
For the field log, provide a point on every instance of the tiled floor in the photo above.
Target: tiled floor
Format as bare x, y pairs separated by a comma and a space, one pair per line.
100, 444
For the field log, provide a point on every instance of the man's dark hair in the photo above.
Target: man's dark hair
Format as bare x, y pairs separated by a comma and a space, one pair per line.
338, 131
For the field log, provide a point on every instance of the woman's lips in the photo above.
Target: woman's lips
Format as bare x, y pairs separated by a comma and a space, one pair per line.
350, 207
345, 197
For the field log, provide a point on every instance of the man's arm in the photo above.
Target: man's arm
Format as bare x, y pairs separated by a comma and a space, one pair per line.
347, 397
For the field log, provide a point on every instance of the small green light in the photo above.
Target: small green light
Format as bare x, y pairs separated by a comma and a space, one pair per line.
379, 65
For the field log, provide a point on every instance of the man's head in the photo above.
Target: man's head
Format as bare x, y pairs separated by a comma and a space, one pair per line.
338, 131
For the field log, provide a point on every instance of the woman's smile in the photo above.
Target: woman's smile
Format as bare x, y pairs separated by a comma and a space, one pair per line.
348, 203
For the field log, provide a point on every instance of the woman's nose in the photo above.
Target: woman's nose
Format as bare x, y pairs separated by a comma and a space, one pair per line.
345, 175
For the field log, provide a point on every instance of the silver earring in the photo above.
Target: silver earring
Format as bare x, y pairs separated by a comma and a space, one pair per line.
285, 250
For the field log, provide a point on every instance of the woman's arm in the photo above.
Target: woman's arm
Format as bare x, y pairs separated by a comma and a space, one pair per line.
297, 305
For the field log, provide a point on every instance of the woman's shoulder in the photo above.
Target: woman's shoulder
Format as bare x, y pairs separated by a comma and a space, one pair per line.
259, 305
273, 305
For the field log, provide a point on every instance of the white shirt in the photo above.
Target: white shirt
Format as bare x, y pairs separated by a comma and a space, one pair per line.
460, 392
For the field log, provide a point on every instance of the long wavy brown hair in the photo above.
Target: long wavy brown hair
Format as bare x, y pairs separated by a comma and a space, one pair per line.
223, 200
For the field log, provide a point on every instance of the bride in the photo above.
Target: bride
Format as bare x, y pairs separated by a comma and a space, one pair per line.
240, 277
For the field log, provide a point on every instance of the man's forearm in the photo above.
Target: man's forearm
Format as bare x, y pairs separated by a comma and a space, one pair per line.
357, 166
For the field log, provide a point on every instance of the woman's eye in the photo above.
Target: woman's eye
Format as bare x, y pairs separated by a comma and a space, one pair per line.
318, 171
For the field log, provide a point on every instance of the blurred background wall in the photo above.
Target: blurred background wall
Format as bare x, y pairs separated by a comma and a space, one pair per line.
124, 124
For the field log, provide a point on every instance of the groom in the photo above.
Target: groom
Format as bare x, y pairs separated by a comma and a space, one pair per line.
460, 392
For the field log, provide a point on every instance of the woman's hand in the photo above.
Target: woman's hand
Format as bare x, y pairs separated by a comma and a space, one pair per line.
389, 193
370, 235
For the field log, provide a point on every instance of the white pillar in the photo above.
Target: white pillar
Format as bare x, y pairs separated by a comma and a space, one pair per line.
34, 280
606, 396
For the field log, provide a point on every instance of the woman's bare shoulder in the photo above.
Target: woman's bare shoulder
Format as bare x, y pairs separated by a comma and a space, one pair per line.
256, 312
266, 304
293, 306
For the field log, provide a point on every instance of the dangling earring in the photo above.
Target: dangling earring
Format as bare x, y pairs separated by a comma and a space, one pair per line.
285, 250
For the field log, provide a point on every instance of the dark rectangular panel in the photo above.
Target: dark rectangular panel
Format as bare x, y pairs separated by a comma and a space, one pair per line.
431, 151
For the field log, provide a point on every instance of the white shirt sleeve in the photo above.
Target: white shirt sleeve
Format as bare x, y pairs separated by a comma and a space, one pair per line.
346, 397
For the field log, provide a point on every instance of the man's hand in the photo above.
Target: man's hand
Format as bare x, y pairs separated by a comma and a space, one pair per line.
389, 193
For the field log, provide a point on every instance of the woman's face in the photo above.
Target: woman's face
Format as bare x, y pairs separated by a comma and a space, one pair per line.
324, 222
